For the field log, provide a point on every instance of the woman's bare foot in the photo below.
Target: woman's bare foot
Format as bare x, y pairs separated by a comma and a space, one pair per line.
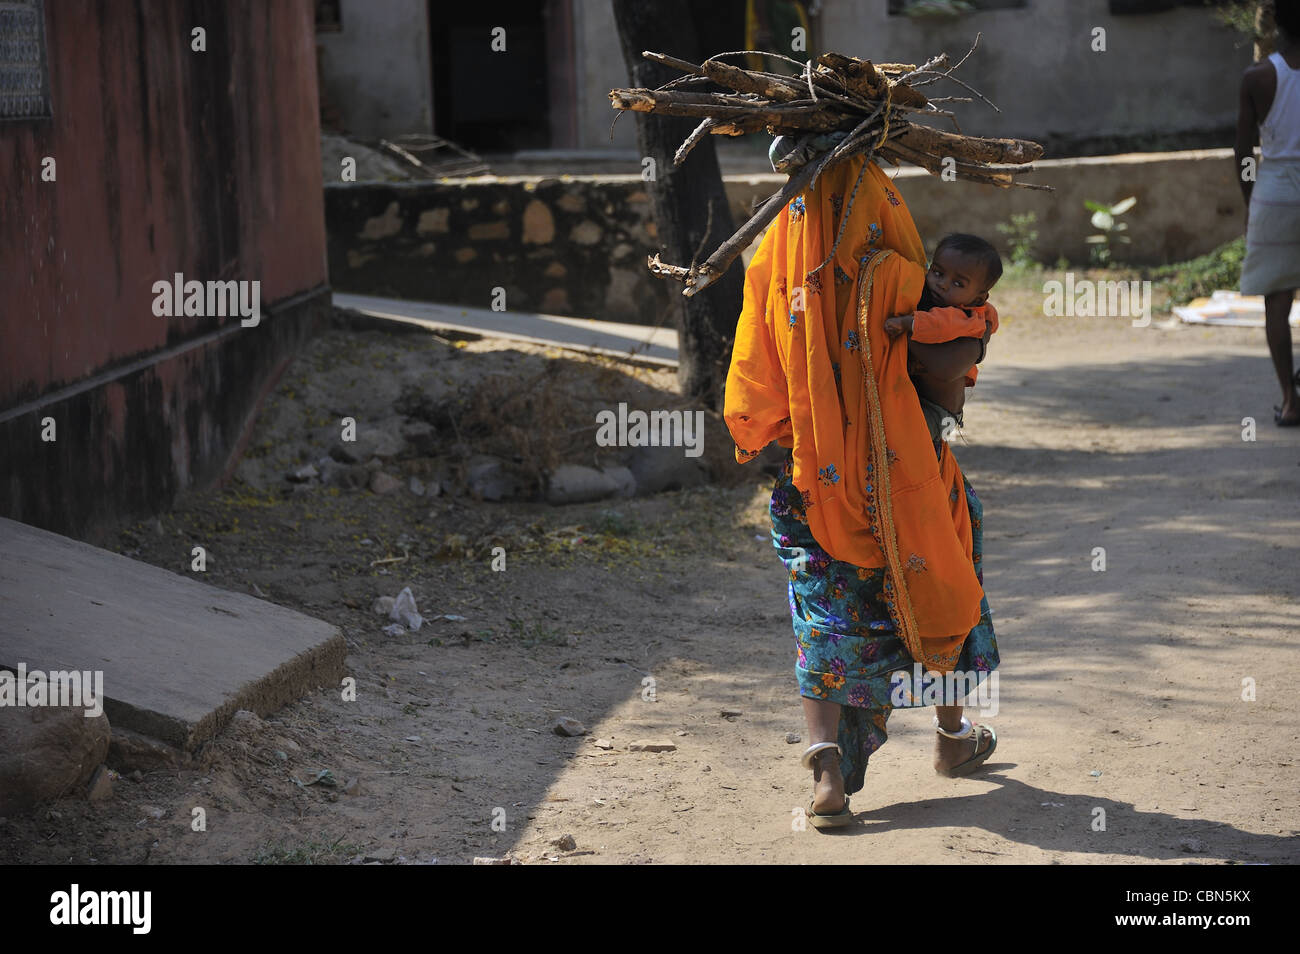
828, 783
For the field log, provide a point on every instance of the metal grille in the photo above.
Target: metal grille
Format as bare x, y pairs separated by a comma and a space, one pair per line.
24, 83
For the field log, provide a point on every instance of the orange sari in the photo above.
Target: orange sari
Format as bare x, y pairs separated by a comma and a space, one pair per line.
813, 369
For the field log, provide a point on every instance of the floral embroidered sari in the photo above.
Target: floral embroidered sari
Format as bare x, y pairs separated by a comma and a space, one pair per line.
881, 537
813, 369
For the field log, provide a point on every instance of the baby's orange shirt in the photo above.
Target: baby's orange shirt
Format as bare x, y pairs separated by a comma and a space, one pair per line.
949, 323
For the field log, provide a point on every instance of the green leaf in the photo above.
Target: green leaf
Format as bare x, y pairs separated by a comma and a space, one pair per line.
1095, 206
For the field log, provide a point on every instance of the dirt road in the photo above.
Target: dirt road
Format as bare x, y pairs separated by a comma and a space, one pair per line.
1121, 690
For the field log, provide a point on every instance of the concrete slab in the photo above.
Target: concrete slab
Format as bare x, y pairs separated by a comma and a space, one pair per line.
652, 345
179, 656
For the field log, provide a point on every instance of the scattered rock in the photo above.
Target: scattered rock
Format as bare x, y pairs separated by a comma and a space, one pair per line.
47, 751
352, 787
1192, 846
346, 476
383, 605
101, 785
793, 737
421, 436
129, 751
136, 776
395, 629
731, 713
487, 478
565, 843
303, 474
1095, 773
603, 744
416, 486
382, 483
569, 727
650, 745
572, 483
624, 480
347, 452
665, 468
494, 861
382, 855
153, 811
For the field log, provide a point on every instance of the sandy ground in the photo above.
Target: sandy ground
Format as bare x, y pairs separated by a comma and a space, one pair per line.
1120, 690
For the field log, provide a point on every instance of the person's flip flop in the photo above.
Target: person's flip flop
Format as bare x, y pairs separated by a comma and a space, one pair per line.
975, 761
837, 820
1277, 419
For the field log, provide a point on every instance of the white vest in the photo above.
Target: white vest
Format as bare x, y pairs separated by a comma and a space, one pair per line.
1279, 133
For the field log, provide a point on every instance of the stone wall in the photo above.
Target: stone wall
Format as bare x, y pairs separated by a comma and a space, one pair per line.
574, 247
577, 245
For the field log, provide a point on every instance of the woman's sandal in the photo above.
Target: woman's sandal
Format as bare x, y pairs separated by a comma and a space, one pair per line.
968, 731
836, 819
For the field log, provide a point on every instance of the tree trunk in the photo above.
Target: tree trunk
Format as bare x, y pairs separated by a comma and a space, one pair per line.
1264, 27
688, 201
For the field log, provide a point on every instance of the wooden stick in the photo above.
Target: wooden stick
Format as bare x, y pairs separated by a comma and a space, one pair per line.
743, 81
820, 119
674, 62
697, 134
896, 151
731, 249
936, 142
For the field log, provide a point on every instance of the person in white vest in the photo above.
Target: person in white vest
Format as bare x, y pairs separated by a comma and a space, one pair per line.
1269, 113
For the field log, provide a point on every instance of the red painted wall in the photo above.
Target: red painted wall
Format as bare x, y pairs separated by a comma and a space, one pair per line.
168, 160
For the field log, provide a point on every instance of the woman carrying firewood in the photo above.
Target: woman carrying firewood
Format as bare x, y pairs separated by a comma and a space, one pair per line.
879, 529
882, 540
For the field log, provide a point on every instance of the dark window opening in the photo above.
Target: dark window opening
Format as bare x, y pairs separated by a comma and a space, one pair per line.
329, 16
490, 101
899, 7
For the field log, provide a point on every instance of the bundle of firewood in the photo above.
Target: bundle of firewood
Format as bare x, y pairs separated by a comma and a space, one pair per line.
869, 107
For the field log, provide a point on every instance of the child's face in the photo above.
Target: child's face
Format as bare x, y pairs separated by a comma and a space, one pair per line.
957, 279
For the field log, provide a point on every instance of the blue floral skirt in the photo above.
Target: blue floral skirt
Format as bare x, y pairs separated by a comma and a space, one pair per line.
846, 648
